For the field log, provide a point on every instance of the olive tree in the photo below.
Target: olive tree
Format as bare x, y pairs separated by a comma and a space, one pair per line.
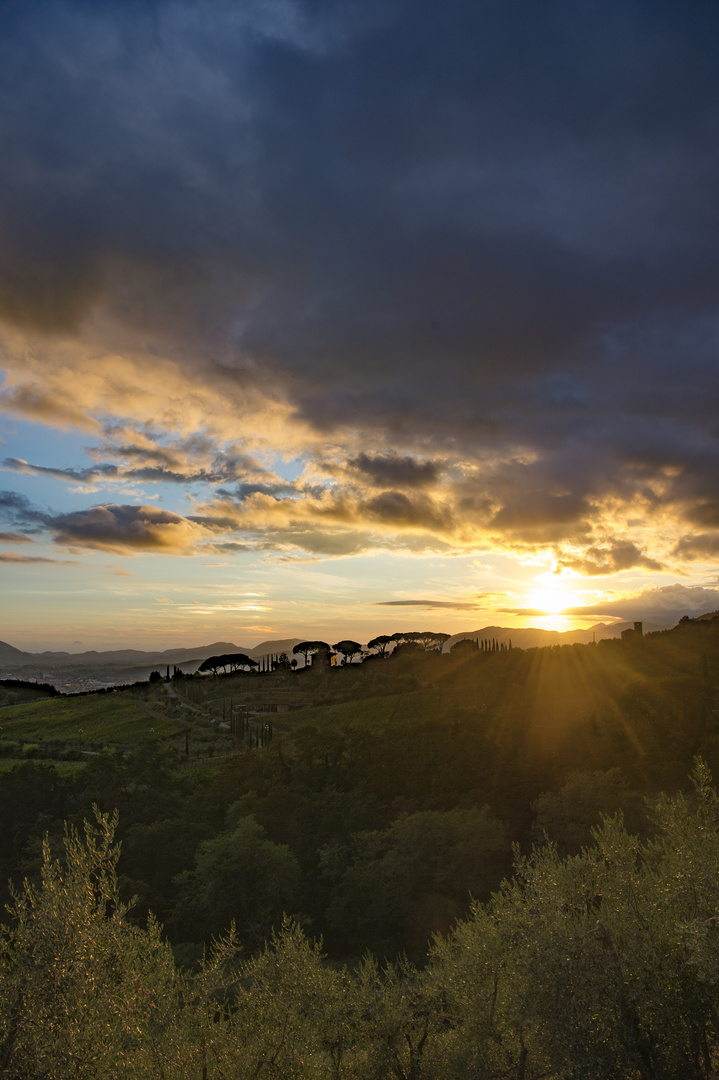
600, 966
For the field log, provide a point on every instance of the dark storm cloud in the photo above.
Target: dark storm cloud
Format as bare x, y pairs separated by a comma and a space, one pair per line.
385, 470
464, 230
394, 508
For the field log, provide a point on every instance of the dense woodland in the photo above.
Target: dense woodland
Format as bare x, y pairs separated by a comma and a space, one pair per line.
478, 839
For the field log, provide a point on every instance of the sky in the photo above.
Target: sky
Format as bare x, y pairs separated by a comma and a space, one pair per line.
339, 319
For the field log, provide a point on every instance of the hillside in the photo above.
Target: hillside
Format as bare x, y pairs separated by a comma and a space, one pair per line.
388, 791
9, 654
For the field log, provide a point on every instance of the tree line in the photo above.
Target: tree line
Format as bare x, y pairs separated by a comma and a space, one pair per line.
380, 646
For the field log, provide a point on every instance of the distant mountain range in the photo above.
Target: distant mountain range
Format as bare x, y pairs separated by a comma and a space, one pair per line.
521, 638
10, 655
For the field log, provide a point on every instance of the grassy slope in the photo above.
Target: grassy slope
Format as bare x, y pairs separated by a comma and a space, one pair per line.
106, 718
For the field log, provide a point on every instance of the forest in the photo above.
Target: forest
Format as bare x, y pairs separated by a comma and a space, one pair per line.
486, 863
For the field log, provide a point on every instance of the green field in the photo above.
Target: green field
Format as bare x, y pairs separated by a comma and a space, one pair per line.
106, 718
371, 713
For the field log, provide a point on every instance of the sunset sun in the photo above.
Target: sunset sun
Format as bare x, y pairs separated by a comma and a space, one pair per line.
553, 595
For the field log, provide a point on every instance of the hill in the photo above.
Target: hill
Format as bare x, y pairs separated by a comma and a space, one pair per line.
179, 655
9, 654
266, 648
530, 637
379, 782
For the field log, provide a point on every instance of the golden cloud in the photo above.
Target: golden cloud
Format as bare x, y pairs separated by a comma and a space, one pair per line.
128, 530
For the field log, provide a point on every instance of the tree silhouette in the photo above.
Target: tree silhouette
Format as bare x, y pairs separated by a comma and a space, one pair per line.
348, 649
305, 648
431, 641
380, 644
427, 639
465, 646
233, 661
309, 647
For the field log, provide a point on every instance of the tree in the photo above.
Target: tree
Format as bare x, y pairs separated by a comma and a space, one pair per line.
211, 663
86, 995
465, 646
76, 978
233, 661
398, 885
240, 876
380, 644
406, 642
569, 816
348, 649
307, 648
602, 965
429, 640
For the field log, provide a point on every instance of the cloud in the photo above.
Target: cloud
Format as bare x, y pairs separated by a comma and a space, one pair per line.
18, 509
14, 557
524, 611
54, 407
491, 316
458, 605
187, 461
123, 529
391, 470
230, 547
609, 559
127, 530
698, 546
14, 538
662, 604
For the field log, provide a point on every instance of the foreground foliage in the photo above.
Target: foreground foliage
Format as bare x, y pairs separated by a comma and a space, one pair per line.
597, 966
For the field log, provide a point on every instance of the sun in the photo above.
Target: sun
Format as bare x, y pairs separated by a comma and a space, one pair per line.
553, 594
